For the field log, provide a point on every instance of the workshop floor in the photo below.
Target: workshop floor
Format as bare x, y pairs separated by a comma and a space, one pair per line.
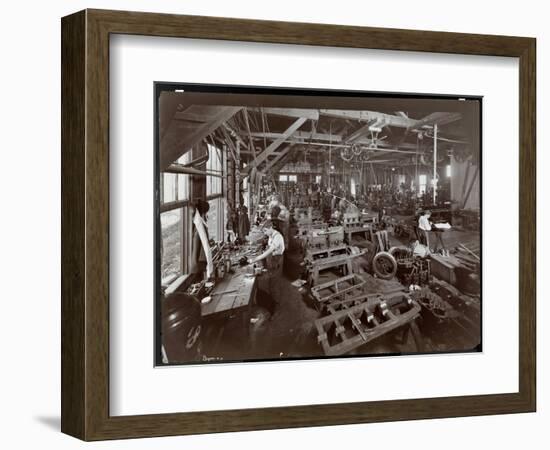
291, 332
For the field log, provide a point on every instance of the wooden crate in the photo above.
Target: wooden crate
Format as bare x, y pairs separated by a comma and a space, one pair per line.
337, 290
444, 267
345, 330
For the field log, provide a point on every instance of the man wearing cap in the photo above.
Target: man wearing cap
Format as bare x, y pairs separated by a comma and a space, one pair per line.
273, 257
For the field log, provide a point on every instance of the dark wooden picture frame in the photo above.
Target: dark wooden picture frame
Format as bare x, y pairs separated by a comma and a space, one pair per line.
85, 224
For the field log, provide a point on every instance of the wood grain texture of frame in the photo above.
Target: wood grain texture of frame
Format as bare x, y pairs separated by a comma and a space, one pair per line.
85, 224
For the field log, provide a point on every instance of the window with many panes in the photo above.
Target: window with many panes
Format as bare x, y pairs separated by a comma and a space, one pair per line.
170, 222
288, 178
214, 190
216, 219
174, 194
175, 187
214, 165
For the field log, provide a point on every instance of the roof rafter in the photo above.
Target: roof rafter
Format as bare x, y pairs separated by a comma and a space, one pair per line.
367, 116
183, 134
276, 143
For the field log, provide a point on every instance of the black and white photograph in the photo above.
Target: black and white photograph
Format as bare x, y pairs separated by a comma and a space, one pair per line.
308, 224
271, 225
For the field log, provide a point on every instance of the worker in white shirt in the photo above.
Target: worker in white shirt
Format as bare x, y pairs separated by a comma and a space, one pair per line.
273, 257
425, 226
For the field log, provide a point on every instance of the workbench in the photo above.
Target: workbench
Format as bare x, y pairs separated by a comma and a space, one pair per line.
235, 292
226, 317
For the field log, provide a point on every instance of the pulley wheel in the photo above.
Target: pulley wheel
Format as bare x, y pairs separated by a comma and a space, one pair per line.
384, 265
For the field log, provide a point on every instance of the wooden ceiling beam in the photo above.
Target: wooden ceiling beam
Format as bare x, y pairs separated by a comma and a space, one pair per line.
297, 113
280, 163
367, 116
277, 143
441, 118
186, 170
182, 136
359, 133
270, 163
299, 135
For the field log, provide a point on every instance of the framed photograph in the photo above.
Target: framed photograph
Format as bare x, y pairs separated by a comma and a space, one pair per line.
270, 224
357, 181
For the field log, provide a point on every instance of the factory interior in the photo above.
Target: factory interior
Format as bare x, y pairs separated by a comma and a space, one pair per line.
296, 226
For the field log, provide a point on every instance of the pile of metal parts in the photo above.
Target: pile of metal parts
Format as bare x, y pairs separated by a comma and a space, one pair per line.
452, 316
411, 269
324, 249
319, 236
351, 318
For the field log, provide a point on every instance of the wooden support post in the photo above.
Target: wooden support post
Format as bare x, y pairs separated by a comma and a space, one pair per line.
435, 164
238, 175
230, 180
469, 190
225, 169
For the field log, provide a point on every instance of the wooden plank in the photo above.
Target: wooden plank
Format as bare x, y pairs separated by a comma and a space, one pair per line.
298, 135
312, 114
277, 143
440, 118
367, 116
270, 163
197, 113
179, 168
472, 182
276, 167
358, 133
73, 225
179, 139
